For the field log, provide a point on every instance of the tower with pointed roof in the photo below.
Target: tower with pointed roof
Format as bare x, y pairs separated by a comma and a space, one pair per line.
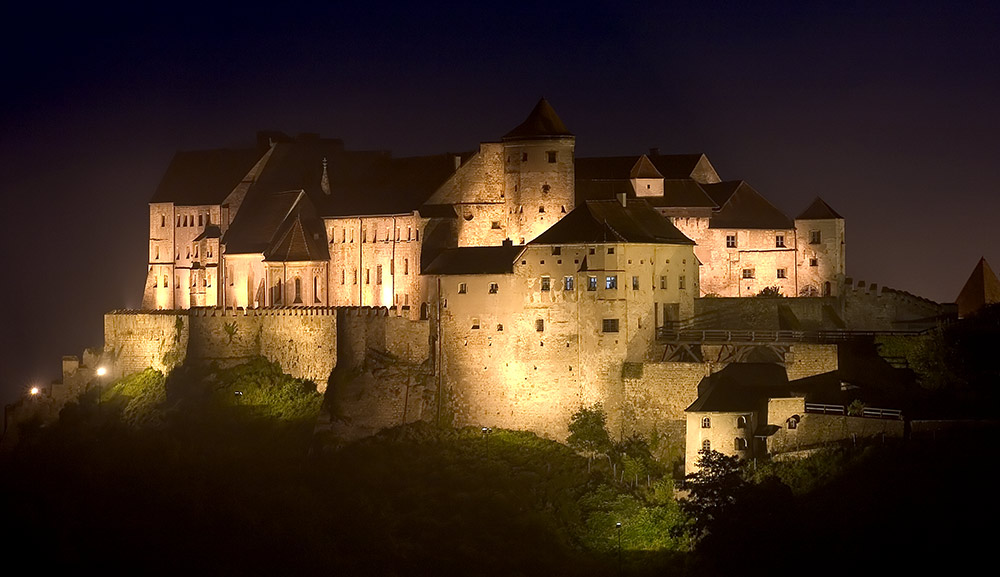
980, 290
821, 255
539, 174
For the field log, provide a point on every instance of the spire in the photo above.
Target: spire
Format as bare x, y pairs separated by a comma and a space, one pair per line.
324, 183
981, 289
543, 122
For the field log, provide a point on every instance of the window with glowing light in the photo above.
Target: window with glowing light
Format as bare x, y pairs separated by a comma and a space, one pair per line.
568, 283
592, 283
611, 282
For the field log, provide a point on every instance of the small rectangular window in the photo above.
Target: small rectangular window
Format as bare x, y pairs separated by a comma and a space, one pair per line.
406, 266
378, 274
815, 237
368, 276
343, 276
730, 241
494, 288
609, 326
635, 283
463, 288
546, 283
663, 282
782, 273
779, 241
748, 273
592, 283
551, 155
556, 250
611, 282
681, 282
539, 325
814, 262
611, 250
475, 323
568, 283
495, 225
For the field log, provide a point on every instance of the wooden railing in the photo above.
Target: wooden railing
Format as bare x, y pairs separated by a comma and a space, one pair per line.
671, 334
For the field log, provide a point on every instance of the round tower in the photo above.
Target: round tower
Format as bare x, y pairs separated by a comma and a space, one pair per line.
538, 173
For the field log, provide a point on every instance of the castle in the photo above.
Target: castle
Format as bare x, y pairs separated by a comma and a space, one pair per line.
506, 287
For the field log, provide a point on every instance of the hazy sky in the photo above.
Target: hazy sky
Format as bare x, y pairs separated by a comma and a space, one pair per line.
888, 113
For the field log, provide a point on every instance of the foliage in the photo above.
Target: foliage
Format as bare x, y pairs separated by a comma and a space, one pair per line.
770, 292
712, 491
231, 330
588, 433
140, 398
856, 408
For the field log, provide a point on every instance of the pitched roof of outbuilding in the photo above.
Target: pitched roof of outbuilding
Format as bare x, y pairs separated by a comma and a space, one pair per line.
743, 207
543, 122
740, 387
475, 260
818, 210
608, 221
204, 177
643, 168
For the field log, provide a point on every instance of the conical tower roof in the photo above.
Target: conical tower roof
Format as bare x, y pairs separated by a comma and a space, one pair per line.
981, 289
543, 122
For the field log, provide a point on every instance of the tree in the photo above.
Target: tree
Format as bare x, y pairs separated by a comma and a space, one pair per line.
770, 291
587, 432
713, 491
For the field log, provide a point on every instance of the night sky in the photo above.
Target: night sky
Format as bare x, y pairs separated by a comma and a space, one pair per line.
889, 114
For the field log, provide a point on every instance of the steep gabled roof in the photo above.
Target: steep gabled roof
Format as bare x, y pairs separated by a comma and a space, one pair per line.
684, 193
257, 221
608, 221
818, 210
543, 122
643, 168
743, 207
475, 260
300, 237
204, 177
981, 289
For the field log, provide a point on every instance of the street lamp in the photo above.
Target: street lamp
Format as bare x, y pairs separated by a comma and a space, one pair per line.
101, 371
34, 391
487, 431
618, 526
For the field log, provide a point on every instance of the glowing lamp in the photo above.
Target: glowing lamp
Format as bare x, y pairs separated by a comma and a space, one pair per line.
34, 390
101, 371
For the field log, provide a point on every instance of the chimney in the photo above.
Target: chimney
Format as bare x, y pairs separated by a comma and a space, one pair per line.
508, 242
621, 198
458, 161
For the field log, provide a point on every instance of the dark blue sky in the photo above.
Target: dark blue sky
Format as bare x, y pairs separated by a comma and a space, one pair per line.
888, 113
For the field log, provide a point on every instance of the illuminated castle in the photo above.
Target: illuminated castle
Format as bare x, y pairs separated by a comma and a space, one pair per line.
304, 221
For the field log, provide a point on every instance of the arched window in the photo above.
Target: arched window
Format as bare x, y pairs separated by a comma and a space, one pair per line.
741, 421
706, 423
706, 445
826, 289
298, 290
741, 444
316, 289
793, 422
423, 311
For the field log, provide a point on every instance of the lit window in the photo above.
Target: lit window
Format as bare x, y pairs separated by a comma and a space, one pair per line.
546, 283
730, 241
635, 283
748, 273
782, 273
592, 283
539, 325
779, 241
663, 282
611, 282
706, 423
551, 155
815, 237
609, 326
494, 288
568, 283
463, 288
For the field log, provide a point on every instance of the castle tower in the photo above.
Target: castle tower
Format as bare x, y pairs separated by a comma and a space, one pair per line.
539, 174
819, 240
